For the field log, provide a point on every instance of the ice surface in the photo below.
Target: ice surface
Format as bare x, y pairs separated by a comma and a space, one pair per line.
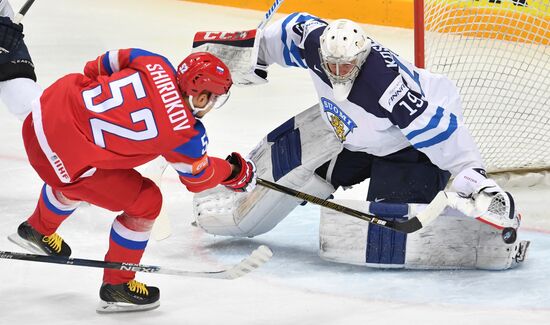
296, 286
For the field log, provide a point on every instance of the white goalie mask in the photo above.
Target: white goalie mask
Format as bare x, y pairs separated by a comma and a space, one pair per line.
344, 49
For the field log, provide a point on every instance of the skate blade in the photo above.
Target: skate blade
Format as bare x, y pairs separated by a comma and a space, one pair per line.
105, 307
25, 244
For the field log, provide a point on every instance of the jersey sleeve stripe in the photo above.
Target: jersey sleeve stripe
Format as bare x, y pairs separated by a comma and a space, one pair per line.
106, 63
190, 175
113, 61
182, 168
453, 125
186, 170
293, 50
135, 53
413, 75
434, 122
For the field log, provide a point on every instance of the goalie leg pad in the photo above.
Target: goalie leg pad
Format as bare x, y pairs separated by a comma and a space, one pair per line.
288, 156
452, 241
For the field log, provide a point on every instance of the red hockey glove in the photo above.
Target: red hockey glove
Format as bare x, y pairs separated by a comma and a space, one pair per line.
243, 178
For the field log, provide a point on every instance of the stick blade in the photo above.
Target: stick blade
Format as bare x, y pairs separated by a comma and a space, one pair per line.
257, 258
408, 226
433, 210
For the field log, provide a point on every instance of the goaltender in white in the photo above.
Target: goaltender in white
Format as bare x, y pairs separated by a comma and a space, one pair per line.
378, 118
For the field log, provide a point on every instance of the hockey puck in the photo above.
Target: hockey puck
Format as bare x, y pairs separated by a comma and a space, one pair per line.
509, 235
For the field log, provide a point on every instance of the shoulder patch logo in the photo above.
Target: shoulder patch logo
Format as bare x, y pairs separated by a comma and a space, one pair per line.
340, 121
395, 92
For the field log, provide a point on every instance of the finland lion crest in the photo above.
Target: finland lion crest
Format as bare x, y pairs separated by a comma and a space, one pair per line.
339, 120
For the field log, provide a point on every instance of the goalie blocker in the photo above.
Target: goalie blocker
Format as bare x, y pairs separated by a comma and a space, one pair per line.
289, 156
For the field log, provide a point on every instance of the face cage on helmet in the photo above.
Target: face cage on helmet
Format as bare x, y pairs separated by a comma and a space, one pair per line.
357, 61
217, 101
214, 102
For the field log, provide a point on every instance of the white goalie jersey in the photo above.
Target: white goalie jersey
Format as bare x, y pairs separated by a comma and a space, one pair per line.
392, 104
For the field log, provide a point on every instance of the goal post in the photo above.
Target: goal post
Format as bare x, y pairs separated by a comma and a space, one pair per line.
498, 54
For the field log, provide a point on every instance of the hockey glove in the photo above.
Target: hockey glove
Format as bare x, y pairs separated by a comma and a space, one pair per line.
11, 35
491, 204
243, 178
472, 181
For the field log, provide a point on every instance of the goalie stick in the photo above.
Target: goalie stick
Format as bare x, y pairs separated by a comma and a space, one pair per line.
272, 10
256, 259
414, 223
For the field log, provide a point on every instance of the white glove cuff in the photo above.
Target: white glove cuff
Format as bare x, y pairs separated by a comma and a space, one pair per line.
471, 181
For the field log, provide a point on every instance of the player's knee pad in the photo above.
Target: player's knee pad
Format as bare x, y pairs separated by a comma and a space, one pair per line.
148, 203
289, 156
452, 241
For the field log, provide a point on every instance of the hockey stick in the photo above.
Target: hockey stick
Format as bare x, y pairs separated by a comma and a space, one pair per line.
19, 16
414, 223
256, 259
269, 14
154, 171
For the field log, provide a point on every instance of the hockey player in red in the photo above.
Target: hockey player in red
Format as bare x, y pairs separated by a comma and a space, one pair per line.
88, 131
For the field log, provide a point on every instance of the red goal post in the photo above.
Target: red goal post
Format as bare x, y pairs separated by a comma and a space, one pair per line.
498, 54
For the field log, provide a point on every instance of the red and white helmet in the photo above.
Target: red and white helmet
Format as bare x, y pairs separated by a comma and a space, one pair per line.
203, 72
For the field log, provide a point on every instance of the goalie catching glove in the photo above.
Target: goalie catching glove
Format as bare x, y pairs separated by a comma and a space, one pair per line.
243, 177
491, 204
256, 77
238, 50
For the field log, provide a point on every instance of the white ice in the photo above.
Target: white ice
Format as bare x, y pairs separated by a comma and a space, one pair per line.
296, 286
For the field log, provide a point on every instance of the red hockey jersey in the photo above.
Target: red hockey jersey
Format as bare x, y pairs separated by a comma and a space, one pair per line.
125, 110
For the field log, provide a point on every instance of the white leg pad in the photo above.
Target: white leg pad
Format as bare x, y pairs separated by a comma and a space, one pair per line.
452, 241
221, 212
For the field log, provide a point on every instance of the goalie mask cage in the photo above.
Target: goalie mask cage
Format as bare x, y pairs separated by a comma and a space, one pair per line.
498, 54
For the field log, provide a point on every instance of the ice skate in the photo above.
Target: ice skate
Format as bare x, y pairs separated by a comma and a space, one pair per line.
127, 297
28, 238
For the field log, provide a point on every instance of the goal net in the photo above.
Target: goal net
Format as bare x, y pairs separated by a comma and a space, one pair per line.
498, 54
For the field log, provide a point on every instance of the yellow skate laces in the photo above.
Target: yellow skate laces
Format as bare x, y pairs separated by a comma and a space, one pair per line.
54, 241
138, 287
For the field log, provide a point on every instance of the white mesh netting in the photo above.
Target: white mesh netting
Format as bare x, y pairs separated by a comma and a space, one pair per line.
498, 53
